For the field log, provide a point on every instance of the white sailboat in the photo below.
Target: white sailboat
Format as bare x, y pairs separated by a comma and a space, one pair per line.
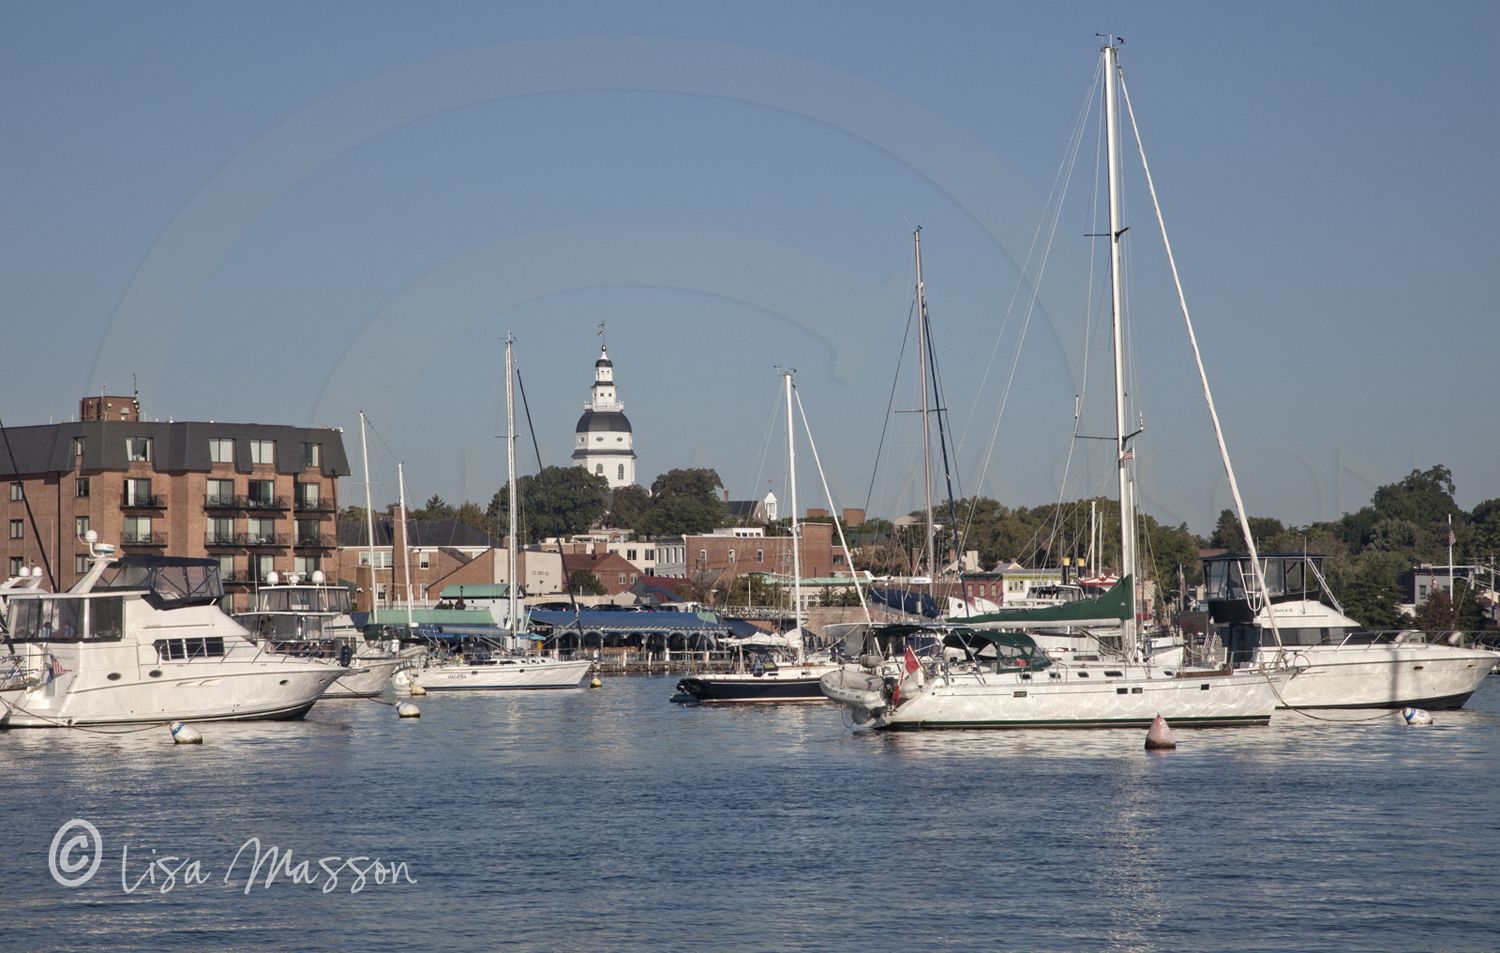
487, 670
142, 639
1005, 680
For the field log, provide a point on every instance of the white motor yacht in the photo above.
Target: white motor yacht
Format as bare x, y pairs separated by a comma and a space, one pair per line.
310, 618
142, 639
1334, 662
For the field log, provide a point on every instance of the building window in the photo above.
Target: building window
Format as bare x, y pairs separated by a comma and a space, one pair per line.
703, 555
382, 558
17, 529
220, 450
307, 494
262, 451
312, 454
220, 531
220, 492
262, 566
307, 565
226, 568
622, 471
380, 591
80, 563
17, 492
81, 486
80, 525
262, 493
731, 555
137, 493
307, 532
138, 449
424, 560
137, 530
599, 469
262, 530
650, 556
78, 446
16, 562
630, 554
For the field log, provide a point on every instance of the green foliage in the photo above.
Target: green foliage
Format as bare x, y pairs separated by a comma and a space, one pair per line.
584, 583
577, 499
702, 484
683, 501
1370, 595
1228, 535
627, 505
434, 509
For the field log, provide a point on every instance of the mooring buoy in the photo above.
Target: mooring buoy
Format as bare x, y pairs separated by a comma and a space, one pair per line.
595, 683
1416, 716
408, 710
185, 734
418, 690
1159, 737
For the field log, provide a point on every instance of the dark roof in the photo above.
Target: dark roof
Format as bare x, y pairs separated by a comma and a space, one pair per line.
608, 421
418, 533
175, 446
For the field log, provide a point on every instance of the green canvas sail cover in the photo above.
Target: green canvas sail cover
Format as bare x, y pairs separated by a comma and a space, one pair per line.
1108, 609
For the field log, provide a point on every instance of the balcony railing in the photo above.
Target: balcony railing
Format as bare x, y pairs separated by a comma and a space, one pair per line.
262, 503
220, 502
145, 538
142, 502
244, 539
237, 578
314, 506
314, 541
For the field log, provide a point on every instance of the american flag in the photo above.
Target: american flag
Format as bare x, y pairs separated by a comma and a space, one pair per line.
1128, 454
601, 330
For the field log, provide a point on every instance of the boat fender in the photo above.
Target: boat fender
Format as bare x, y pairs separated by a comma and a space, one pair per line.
418, 691
185, 734
407, 710
1416, 716
1159, 736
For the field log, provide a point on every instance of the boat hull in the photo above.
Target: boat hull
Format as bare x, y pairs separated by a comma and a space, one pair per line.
1062, 699
721, 689
1388, 675
505, 675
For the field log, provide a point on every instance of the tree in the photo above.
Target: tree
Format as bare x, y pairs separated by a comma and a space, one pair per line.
585, 583
1228, 535
1371, 595
576, 498
470, 514
627, 505
680, 515
701, 483
352, 514
434, 509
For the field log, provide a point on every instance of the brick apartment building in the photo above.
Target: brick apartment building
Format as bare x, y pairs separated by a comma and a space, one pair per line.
254, 497
717, 557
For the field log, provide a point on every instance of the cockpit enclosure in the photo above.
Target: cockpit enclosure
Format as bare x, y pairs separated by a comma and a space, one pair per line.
1288, 576
171, 582
66, 618
1012, 650
303, 599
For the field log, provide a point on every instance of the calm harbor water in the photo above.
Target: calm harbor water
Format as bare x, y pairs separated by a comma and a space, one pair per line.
612, 820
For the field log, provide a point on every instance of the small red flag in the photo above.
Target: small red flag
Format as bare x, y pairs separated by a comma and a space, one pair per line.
911, 666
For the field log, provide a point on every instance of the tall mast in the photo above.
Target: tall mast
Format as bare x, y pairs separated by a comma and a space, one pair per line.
364, 450
791, 453
405, 557
1123, 454
926, 439
510, 469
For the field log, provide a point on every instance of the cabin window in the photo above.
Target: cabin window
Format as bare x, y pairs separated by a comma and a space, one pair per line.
1295, 576
186, 650
107, 618
47, 620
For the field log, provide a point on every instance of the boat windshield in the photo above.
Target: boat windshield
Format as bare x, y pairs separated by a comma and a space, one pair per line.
303, 599
170, 581
1224, 577
67, 619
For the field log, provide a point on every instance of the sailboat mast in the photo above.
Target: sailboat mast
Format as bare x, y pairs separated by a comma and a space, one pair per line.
405, 557
364, 450
510, 470
926, 438
791, 455
1123, 454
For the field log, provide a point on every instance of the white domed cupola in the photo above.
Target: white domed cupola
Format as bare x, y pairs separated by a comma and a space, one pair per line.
604, 444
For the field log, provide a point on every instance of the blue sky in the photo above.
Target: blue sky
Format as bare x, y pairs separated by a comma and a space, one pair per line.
283, 213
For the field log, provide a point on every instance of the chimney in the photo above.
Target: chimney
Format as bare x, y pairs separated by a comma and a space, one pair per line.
726, 496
